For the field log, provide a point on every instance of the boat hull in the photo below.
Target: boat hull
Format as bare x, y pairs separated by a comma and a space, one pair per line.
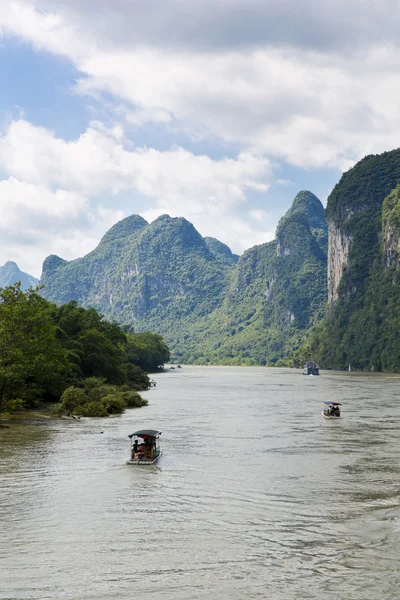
144, 463
330, 416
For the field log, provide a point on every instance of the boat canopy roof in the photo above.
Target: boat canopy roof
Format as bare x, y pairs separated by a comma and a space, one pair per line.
334, 403
146, 433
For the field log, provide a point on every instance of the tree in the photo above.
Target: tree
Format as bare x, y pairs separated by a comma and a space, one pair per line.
147, 350
32, 360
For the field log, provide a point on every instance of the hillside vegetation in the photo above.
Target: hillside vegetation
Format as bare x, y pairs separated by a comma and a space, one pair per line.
362, 327
209, 305
70, 354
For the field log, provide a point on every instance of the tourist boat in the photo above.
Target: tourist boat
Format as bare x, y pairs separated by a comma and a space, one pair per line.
332, 410
310, 368
145, 448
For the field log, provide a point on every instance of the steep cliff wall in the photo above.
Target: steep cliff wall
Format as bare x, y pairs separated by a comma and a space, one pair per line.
363, 213
338, 255
354, 212
391, 229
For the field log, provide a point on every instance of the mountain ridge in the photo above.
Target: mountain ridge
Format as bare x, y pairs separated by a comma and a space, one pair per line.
208, 303
10, 273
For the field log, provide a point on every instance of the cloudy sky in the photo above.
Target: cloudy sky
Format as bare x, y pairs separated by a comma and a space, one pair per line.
217, 110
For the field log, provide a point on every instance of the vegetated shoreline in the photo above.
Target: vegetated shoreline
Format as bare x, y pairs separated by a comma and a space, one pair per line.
386, 374
48, 413
70, 356
45, 414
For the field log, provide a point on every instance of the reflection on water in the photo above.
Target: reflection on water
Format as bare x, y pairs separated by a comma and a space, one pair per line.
256, 495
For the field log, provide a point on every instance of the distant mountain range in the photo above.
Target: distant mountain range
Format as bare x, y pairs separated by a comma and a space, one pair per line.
326, 289
209, 304
10, 274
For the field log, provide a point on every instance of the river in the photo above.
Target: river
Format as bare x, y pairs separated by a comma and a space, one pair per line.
256, 494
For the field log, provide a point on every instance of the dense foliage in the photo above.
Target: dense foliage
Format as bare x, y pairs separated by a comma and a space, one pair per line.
45, 349
96, 398
277, 294
362, 328
209, 306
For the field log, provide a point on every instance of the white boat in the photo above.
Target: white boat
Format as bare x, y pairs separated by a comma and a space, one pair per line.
331, 410
145, 448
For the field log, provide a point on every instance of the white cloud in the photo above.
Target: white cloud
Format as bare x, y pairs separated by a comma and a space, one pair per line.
98, 162
314, 84
37, 221
295, 94
50, 182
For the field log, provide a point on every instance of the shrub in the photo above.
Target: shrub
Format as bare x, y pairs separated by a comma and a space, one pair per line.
94, 409
114, 404
71, 399
134, 400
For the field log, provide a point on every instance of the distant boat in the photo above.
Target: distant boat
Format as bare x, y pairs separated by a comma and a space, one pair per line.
145, 449
310, 368
332, 410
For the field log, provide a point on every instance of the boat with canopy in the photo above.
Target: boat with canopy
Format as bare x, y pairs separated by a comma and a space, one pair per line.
332, 410
311, 368
145, 447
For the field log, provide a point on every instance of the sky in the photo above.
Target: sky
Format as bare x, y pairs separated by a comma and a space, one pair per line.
218, 111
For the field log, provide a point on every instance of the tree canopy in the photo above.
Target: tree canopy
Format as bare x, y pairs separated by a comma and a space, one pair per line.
47, 349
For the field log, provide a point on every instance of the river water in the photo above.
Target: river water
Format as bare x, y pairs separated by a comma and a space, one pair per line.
256, 494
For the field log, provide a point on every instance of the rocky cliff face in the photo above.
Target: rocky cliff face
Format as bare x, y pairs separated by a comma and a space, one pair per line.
363, 212
354, 215
391, 230
338, 256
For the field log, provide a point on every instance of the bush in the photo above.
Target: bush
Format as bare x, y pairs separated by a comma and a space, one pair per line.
71, 399
136, 378
93, 409
95, 394
134, 400
114, 404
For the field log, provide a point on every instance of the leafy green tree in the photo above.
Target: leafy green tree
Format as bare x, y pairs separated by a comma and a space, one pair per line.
71, 399
101, 357
147, 350
32, 360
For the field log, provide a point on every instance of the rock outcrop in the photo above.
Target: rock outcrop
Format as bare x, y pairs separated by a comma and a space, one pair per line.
338, 255
363, 324
391, 229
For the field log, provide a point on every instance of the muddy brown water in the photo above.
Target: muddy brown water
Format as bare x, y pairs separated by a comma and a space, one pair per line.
256, 494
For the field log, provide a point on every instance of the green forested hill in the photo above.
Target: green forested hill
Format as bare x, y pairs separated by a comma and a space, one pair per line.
209, 306
277, 293
160, 276
363, 326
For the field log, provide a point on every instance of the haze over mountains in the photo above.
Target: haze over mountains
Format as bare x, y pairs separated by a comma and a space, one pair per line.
10, 274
